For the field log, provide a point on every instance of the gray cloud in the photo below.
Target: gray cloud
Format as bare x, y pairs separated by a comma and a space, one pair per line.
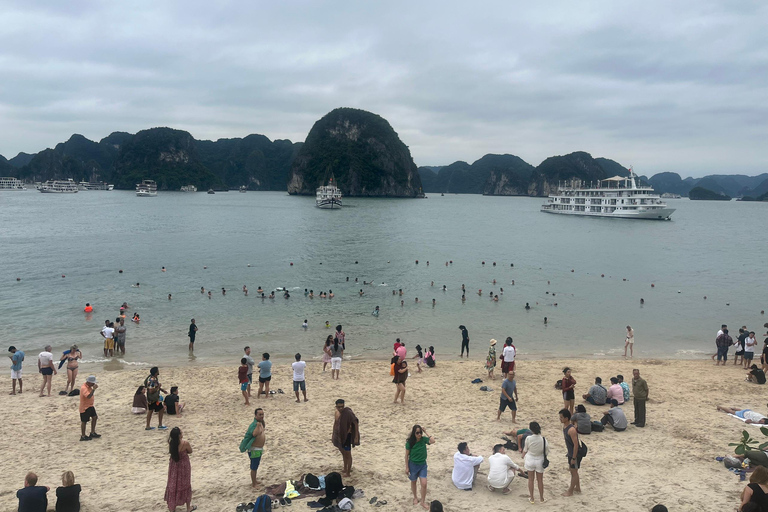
676, 86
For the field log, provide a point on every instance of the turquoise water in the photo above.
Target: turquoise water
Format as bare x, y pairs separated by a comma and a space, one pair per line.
713, 249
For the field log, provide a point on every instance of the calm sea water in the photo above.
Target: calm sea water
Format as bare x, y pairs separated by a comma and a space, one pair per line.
713, 249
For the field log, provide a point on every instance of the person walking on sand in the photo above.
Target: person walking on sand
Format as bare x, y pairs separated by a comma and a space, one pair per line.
569, 383
572, 445
508, 357
87, 410
629, 341
337, 352
640, 390
346, 434
46, 368
192, 333
464, 340
401, 375
299, 383
416, 462
253, 443
17, 359
508, 389
327, 351
242, 378
490, 361
250, 362
152, 384
72, 366
535, 460
265, 374
178, 490
419, 357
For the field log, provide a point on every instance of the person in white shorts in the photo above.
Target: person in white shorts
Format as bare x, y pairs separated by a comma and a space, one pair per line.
629, 341
748, 415
536, 451
17, 357
337, 351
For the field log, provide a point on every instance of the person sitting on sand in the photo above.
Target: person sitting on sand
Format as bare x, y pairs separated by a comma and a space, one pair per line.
748, 415
756, 375
615, 392
597, 393
68, 495
615, 417
139, 401
502, 471
172, 404
756, 492
33, 497
583, 420
465, 466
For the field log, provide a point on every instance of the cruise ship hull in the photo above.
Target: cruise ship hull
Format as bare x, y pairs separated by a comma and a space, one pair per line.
656, 214
329, 204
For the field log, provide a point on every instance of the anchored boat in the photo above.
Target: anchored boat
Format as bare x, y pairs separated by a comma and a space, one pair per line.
328, 196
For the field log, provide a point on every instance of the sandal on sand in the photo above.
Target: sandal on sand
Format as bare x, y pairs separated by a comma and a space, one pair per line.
150, 428
194, 507
531, 501
373, 500
381, 503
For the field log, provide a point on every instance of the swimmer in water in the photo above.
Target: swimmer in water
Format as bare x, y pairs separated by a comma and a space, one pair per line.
527, 306
163, 269
462, 288
495, 298
501, 291
136, 318
259, 289
245, 290
417, 300
169, 296
400, 290
287, 295
125, 306
306, 292
376, 311
136, 285
432, 283
402, 303
463, 298
434, 302
271, 295
327, 324
223, 291
480, 292
311, 294
444, 288
202, 289
209, 294
305, 325
360, 293
330, 293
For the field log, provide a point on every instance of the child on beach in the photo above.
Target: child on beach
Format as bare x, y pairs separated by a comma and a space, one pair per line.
242, 376
419, 358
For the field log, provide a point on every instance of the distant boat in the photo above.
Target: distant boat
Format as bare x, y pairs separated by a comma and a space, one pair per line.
59, 187
328, 196
147, 188
211, 191
95, 185
189, 188
243, 188
11, 184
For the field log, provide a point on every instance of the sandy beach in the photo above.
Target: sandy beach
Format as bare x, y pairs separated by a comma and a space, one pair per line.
671, 461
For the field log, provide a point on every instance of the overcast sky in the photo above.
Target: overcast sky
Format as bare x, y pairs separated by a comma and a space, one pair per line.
664, 86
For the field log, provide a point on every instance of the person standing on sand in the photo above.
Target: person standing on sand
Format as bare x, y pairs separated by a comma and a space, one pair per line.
337, 353
719, 333
535, 453
569, 383
629, 341
401, 375
341, 337
346, 434
508, 357
416, 462
265, 374
87, 410
490, 361
108, 334
242, 378
46, 368
298, 377
508, 389
572, 444
192, 333
640, 390
250, 362
253, 443
152, 383
178, 490
327, 350
17, 359
464, 340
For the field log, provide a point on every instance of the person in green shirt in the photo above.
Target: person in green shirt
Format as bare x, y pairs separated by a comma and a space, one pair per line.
416, 462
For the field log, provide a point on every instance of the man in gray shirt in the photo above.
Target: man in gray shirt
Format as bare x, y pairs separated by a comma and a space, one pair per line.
250, 362
615, 417
597, 393
508, 390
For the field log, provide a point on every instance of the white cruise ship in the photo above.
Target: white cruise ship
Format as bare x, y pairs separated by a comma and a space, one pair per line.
59, 187
188, 188
328, 196
147, 188
11, 184
618, 197
95, 185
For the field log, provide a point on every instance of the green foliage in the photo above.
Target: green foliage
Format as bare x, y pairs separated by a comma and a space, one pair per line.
746, 443
700, 193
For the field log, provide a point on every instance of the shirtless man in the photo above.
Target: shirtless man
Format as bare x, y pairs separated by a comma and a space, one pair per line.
345, 434
257, 446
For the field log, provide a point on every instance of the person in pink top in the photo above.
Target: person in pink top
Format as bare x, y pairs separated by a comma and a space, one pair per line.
615, 391
401, 350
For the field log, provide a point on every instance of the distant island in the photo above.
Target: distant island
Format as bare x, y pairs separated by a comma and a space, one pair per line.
360, 148
703, 194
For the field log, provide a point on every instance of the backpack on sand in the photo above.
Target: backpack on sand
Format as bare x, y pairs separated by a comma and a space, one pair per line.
263, 504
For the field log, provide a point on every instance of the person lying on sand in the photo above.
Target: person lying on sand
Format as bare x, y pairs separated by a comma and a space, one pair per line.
748, 415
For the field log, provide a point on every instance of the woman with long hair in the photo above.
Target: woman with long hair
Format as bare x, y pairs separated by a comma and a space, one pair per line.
416, 462
327, 351
179, 488
337, 352
139, 401
568, 394
72, 365
757, 490
535, 452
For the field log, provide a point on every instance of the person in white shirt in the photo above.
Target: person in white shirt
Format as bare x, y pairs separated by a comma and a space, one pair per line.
298, 377
508, 356
46, 367
465, 466
536, 451
108, 333
749, 349
502, 470
629, 341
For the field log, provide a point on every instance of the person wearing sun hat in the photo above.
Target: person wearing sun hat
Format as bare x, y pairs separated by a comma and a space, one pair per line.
87, 411
490, 361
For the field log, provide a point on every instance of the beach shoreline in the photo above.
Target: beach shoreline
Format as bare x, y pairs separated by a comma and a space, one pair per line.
670, 461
